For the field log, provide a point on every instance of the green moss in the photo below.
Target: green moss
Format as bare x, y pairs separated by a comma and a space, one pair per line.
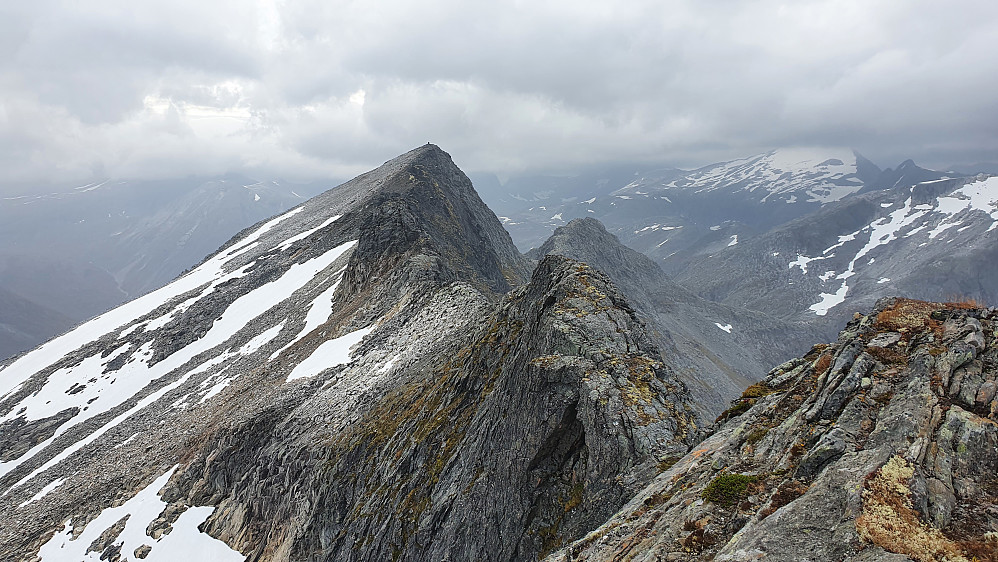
756, 435
667, 463
727, 489
757, 390
574, 497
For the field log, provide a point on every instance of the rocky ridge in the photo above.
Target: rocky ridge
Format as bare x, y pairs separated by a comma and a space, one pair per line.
345, 381
880, 446
713, 347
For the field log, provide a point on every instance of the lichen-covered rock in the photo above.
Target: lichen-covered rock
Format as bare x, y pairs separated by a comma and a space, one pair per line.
903, 468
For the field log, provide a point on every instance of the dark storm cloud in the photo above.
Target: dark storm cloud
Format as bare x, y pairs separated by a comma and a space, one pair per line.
303, 88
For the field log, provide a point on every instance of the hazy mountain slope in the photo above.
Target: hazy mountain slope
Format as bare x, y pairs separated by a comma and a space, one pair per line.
23, 322
82, 251
718, 349
343, 382
881, 446
935, 240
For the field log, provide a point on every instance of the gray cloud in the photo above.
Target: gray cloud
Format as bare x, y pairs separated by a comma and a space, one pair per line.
304, 88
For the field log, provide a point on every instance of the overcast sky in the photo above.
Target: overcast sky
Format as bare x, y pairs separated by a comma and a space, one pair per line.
301, 89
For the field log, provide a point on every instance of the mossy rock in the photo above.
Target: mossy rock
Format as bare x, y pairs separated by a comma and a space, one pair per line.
727, 489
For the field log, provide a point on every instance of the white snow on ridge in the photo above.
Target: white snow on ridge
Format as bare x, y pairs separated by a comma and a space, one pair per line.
287, 243
882, 231
262, 339
184, 542
830, 300
44, 491
330, 353
734, 240
802, 262
13, 375
726, 327
820, 175
238, 314
318, 313
980, 196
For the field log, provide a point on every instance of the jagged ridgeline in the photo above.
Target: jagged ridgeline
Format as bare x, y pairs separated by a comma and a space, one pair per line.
373, 375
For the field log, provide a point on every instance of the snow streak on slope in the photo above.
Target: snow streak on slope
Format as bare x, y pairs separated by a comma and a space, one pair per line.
787, 175
138, 374
973, 204
331, 353
13, 375
184, 542
91, 387
318, 313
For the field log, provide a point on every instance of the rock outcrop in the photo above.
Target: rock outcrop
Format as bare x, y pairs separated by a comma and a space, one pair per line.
880, 446
715, 348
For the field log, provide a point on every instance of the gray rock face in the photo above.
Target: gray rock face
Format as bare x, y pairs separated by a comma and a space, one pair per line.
814, 465
714, 347
521, 436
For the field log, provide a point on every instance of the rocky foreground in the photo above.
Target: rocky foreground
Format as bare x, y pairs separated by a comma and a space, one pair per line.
880, 446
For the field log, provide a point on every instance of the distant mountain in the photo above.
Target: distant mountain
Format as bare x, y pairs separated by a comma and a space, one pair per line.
669, 213
85, 250
936, 240
679, 217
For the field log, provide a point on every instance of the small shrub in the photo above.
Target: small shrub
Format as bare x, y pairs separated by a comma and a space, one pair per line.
727, 489
889, 520
907, 316
757, 390
736, 409
666, 463
786, 493
822, 364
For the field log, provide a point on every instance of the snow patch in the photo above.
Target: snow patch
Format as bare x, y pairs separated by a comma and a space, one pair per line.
262, 339
725, 327
287, 243
13, 376
330, 353
44, 491
184, 542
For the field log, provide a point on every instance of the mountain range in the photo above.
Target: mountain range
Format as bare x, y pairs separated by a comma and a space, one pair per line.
379, 374
807, 236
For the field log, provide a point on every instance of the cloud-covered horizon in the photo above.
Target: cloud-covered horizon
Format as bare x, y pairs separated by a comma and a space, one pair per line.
306, 89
